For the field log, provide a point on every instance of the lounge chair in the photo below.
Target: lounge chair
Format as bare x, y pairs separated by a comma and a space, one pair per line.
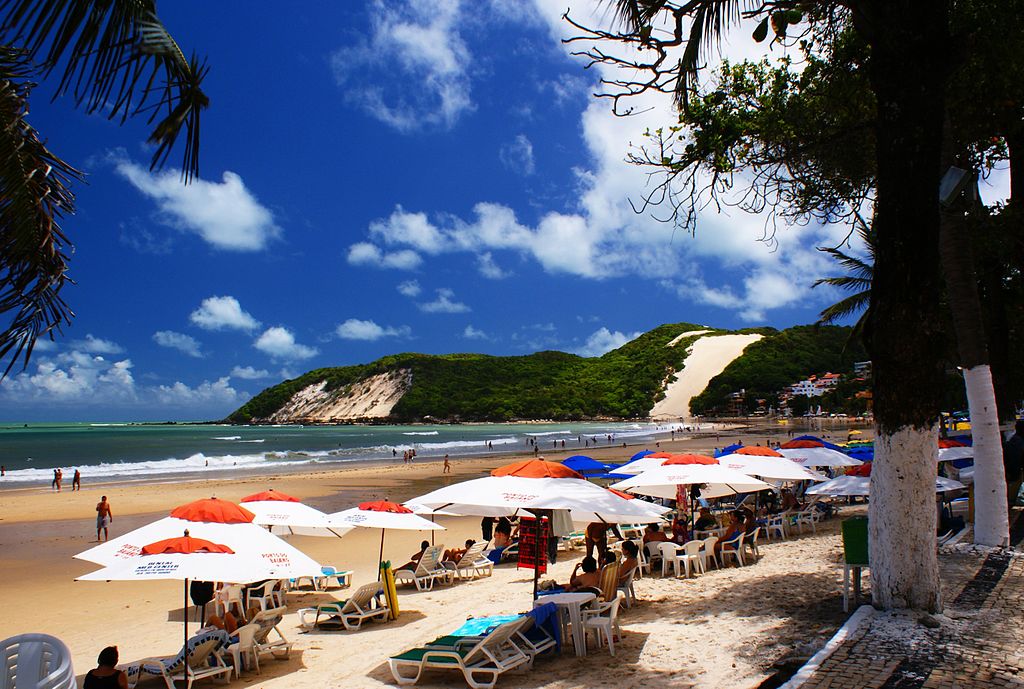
267, 622
38, 661
199, 659
472, 564
480, 659
428, 570
366, 603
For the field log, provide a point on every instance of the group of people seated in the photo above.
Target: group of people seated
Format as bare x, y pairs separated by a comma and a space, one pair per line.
586, 575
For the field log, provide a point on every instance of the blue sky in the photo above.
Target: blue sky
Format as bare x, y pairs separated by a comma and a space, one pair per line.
428, 176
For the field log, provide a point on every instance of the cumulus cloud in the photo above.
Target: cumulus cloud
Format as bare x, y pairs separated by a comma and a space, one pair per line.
471, 333
444, 303
225, 214
91, 384
223, 313
517, 155
602, 341
279, 343
185, 344
367, 254
409, 288
249, 373
355, 329
95, 345
489, 269
416, 43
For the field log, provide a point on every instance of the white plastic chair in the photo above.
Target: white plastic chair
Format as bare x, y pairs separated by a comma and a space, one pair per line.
806, 518
709, 552
603, 619
776, 525
735, 548
36, 661
627, 587
230, 596
245, 648
669, 555
643, 564
263, 596
691, 556
751, 542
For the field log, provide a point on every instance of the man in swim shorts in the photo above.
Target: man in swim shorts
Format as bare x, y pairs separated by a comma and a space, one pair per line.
103, 518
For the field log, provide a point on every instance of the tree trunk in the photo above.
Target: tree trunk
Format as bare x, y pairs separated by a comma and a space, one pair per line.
909, 43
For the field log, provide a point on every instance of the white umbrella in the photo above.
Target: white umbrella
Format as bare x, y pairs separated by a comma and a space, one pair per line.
948, 454
859, 486
641, 465
218, 521
819, 457
717, 481
770, 467
383, 515
286, 515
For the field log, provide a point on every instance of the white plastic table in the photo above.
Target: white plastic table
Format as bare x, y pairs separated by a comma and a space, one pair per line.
572, 605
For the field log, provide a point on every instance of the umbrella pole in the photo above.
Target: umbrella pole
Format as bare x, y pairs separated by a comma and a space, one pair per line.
184, 645
380, 558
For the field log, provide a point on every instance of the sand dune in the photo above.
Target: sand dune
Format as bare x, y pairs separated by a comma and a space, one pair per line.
708, 357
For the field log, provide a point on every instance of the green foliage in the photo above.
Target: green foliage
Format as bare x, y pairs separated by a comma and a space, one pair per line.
769, 365
474, 387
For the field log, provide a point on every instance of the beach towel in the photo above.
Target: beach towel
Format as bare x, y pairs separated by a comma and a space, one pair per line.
546, 618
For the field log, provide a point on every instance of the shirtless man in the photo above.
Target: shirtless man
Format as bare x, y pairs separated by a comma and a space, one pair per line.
103, 518
76, 482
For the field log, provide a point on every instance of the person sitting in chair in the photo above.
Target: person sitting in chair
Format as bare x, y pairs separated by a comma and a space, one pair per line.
415, 559
106, 675
588, 578
456, 554
630, 561
654, 534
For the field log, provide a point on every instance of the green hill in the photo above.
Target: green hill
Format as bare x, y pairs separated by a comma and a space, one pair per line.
624, 383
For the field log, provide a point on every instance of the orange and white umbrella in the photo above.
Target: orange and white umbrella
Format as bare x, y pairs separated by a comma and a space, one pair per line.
812, 453
285, 515
765, 462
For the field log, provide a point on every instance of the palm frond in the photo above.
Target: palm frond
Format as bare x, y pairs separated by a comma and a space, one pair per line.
711, 20
34, 196
119, 58
844, 308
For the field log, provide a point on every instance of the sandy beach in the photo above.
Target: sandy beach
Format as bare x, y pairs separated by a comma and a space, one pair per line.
721, 629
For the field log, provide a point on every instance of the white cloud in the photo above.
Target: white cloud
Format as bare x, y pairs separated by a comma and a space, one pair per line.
95, 345
355, 329
223, 313
602, 341
489, 269
409, 288
471, 333
517, 155
412, 69
280, 343
206, 393
225, 214
180, 341
444, 303
249, 373
366, 254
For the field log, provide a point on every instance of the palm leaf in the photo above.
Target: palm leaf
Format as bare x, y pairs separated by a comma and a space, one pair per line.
34, 196
117, 57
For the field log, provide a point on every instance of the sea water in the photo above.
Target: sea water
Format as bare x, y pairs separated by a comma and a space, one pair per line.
126, 451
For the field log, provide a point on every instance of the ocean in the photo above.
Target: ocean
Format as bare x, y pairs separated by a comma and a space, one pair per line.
125, 451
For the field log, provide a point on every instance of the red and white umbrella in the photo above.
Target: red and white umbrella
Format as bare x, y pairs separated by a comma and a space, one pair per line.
286, 515
767, 463
953, 449
811, 453
214, 520
637, 466
383, 515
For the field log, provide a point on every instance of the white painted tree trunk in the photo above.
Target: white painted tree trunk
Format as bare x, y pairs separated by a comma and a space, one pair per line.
901, 520
991, 518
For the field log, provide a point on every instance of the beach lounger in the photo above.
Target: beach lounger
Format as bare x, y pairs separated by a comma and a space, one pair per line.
428, 570
471, 565
480, 659
366, 603
268, 623
201, 655
39, 661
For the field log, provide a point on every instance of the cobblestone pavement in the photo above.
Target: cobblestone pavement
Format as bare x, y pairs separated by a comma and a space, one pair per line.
978, 641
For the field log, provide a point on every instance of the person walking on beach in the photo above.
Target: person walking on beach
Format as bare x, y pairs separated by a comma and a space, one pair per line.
104, 516
60, 477
76, 482
53, 483
447, 465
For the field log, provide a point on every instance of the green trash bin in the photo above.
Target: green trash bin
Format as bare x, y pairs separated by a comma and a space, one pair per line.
855, 541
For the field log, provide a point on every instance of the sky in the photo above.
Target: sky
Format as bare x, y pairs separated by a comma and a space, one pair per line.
380, 177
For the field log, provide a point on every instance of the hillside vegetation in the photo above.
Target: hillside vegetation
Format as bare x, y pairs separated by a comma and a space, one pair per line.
769, 365
624, 383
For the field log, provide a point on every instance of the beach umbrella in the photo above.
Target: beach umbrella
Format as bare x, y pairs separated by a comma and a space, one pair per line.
641, 453
185, 558
716, 481
858, 486
383, 515
766, 465
950, 450
795, 442
536, 484
585, 465
728, 449
654, 459
286, 515
814, 453
214, 520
